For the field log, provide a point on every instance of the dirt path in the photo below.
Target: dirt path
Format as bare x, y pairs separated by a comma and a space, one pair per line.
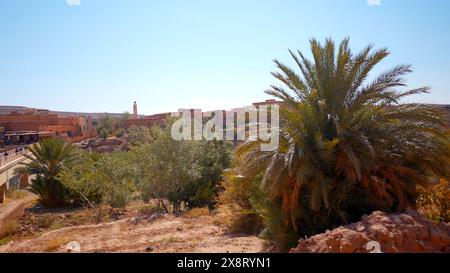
158, 233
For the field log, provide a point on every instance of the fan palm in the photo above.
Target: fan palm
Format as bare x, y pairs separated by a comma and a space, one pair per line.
348, 146
46, 161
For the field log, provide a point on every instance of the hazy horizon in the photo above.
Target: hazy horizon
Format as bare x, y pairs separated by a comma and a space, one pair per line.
100, 56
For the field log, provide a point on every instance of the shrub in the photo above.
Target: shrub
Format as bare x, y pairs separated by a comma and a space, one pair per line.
212, 157
172, 239
434, 202
5, 240
182, 172
106, 124
139, 135
45, 221
150, 210
118, 197
101, 178
8, 228
119, 132
81, 177
164, 166
196, 212
16, 194
102, 214
104, 133
56, 243
244, 222
242, 202
57, 224
80, 219
50, 191
116, 175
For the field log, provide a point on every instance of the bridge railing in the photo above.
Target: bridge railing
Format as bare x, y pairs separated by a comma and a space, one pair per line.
11, 157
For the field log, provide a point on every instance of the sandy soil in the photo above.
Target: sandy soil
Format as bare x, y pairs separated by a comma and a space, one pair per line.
154, 233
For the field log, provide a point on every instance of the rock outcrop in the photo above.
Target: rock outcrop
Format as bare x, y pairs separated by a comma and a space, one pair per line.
381, 232
105, 145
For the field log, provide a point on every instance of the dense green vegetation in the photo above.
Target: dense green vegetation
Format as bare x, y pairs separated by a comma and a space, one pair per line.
157, 168
108, 125
103, 133
100, 178
348, 146
242, 200
186, 173
46, 161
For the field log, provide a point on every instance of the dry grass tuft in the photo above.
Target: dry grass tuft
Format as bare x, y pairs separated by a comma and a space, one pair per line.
16, 194
196, 212
8, 228
172, 239
56, 243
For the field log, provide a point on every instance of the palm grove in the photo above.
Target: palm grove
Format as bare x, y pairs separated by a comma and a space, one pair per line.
348, 146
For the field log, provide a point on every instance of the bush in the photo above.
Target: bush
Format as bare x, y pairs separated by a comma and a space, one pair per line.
196, 212
81, 177
150, 210
57, 224
8, 228
119, 132
249, 223
5, 240
242, 203
45, 221
119, 196
104, 133
212, 157
16, 194
101, 178
434, 202
138, 135
182, 172
165, 166
52, 193
54, 244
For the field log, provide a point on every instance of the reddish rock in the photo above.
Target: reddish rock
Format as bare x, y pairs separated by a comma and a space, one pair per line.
407, 232
104, 149
106, 145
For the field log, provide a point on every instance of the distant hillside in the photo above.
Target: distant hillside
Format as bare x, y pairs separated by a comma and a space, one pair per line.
6, 110
92, 115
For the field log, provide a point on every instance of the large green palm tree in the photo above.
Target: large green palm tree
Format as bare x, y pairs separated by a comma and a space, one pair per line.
46, 161
348, 145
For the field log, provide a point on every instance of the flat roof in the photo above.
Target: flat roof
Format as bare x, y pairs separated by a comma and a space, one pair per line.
21, 133
28, 133
46, 133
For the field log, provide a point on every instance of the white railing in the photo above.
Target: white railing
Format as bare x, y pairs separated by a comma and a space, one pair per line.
11, 157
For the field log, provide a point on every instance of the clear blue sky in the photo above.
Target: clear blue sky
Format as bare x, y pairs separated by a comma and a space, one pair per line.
102, 55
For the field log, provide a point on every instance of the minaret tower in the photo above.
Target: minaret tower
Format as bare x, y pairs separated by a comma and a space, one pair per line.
135, 112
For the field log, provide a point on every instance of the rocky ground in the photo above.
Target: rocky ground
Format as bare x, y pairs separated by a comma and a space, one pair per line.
381, 232
144, 228
129, 231
104, 145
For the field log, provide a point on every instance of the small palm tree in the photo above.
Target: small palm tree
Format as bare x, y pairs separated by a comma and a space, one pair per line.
46, 161
348, 146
